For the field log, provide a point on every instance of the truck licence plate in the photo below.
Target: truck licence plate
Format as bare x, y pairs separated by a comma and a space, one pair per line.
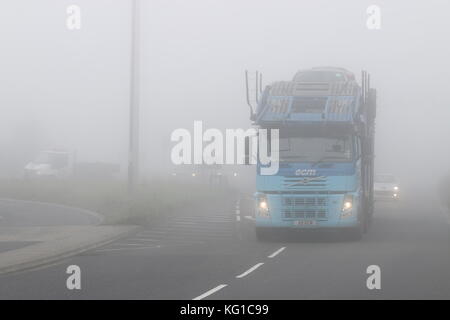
305, 222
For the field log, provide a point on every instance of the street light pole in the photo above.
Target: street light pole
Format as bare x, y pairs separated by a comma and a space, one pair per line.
133, 156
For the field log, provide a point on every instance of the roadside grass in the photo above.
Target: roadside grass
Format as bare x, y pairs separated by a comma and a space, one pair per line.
151, 201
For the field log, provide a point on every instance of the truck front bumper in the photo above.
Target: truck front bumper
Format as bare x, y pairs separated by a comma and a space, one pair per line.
307, 211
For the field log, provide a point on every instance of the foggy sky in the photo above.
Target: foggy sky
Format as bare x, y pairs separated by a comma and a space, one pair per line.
70, 88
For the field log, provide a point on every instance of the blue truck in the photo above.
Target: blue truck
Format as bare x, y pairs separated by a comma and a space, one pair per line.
326, 125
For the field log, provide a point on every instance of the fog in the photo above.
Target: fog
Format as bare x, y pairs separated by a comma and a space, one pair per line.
62, 88
317, 229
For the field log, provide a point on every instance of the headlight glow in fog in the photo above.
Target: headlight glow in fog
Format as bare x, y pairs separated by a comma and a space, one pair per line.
348, 203
347, 206
263, 207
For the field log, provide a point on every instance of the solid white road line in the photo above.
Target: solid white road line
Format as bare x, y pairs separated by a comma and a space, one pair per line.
195, 235
143, 233
129, 244
201, 218
186, 223
276, 252
210, 292
126, 249
182, 229
256, 266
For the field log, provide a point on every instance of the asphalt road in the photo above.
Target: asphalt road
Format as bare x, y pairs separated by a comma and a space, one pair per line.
213, 254
17, 213
25, 214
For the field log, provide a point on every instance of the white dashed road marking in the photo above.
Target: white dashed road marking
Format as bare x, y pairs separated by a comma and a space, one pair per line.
210, 292
186, 223
256, 266
131, 244
276, 252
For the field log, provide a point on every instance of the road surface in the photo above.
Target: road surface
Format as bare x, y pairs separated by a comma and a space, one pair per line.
17, 213
26, 214
213, 254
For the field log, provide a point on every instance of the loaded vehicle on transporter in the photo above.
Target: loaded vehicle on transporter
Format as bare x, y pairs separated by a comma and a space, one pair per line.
326, 152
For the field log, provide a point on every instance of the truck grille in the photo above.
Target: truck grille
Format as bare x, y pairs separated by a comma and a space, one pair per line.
299, 183
305, 208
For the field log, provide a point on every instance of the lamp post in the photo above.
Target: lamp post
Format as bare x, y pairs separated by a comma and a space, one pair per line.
133, 156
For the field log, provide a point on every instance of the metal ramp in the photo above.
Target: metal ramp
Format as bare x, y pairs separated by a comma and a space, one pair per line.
291, 88
309, 102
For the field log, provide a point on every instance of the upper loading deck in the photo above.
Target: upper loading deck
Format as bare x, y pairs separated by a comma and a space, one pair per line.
309, 102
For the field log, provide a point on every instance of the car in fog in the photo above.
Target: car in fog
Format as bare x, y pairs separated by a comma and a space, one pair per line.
386, 187
61, 164
324, 75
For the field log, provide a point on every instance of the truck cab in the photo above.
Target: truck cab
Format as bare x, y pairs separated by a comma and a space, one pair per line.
326, 138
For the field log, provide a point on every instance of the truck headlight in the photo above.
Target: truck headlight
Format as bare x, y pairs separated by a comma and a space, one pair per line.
347, 206
396, 188
348, 203
262, 207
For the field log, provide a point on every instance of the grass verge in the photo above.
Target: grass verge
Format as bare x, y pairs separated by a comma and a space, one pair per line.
151, 200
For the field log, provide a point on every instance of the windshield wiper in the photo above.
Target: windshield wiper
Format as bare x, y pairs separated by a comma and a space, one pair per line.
286, 158
292, 157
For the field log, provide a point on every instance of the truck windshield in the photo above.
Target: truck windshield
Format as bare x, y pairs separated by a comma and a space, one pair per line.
316, 149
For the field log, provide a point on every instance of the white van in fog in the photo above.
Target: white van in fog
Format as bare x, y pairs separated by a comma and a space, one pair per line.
50, 163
